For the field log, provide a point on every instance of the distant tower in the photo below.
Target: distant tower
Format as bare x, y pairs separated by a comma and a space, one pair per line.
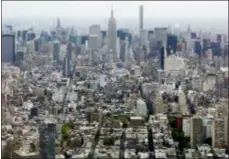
58, 23
66, 67
162, 58
112, 35
140, 18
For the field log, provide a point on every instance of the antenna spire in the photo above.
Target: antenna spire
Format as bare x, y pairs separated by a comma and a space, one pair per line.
112, 12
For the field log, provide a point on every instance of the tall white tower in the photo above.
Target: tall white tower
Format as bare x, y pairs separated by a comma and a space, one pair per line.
112, 35
140, 18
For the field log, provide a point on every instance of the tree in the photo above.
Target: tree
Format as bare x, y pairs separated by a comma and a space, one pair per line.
65, 131
172, 121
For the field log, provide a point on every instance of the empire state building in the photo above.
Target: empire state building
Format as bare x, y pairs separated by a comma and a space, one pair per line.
112, 35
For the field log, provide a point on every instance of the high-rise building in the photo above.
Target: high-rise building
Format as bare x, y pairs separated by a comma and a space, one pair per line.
140, 18
161, 37
66, 67
144, 37
24, 35
112, 35
47, 133
58, 26
19, 57
69, 51
227, 130
56, 51
93, 41
8, 48
218, 133
94, 29
37, 43
171, 44
162, 58
19, 34
95, 34
197, 131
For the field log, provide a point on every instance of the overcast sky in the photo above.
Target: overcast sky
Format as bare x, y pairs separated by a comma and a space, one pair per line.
84, 9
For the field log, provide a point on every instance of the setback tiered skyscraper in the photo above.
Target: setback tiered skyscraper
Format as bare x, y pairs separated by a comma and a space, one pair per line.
112, 35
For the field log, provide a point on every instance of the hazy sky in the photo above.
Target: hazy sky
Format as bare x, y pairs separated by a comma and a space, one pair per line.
87, 9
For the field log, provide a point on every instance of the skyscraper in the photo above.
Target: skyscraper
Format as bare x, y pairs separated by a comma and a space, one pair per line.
197, 131
66, 67
112, 35
8, 48
56, 51
162, 58
218, 132
140, 18
47, 133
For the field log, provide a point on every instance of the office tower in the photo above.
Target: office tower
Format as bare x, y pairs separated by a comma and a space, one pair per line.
8, 48
159, 106
161, 37
30, 36
56, 51
95, 34
94, 41
37, 43
197, 47
162, 58
197, 131
218, 132
19, 34
118, 41
143, 38
122, 56
69, 51
127, 54
24, 35
215, 46
30, 47
112, 35
19, 57
66, 67
193, 35
130, 38
84, 38
172, 41
47, 131
206, 44
140, 18
94, 29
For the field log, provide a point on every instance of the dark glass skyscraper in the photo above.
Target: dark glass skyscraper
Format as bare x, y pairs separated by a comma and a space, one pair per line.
162, 58
56, 51
66, 67
171, 43
47, 133
8, 48
197, 48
